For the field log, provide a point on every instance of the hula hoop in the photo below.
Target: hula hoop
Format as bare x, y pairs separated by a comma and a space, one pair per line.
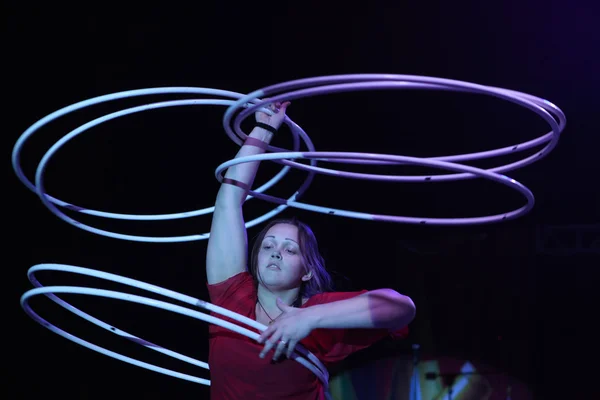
395, 159
311, 362
359, 82
51, 202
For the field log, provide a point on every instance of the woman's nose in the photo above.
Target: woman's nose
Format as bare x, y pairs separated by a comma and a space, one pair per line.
276, 255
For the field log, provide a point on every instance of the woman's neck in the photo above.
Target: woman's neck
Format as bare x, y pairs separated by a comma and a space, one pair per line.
267, 310
268, 299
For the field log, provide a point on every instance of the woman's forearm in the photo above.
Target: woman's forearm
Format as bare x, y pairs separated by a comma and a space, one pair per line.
244, 172
381, 308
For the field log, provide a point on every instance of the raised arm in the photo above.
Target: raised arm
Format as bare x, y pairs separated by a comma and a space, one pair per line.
227, 253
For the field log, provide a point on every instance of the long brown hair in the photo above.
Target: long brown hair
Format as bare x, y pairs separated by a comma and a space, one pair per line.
320, 280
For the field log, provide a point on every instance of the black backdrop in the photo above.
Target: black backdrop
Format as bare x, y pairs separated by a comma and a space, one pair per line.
489, 293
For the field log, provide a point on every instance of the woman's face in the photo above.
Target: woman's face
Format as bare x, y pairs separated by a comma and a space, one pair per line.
280, 264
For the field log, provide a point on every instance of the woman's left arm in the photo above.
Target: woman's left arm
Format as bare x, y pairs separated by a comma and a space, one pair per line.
381, 308
376, 309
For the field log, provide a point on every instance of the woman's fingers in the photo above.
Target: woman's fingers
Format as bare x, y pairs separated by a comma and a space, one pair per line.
281, 349
290, 348
269, 344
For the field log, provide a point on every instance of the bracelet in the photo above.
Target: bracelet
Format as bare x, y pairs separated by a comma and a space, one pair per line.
250, 141
236, 183
267, 127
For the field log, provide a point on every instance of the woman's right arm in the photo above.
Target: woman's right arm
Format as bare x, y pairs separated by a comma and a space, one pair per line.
227, 253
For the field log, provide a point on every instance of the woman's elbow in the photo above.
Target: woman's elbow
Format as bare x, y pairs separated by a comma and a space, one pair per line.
406, 311
399, 309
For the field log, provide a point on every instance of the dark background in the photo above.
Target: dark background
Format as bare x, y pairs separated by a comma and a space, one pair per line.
491, 293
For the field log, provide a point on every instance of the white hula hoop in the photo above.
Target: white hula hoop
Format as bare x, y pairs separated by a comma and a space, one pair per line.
316, 86
341, 156
313, 365
51, 202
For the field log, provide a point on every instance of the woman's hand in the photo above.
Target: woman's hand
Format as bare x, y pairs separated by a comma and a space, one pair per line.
278, 116
293, 325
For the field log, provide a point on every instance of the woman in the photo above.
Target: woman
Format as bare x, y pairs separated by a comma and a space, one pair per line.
287, 288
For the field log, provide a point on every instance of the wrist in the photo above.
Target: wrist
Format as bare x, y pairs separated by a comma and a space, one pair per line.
315, 316
267, 127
